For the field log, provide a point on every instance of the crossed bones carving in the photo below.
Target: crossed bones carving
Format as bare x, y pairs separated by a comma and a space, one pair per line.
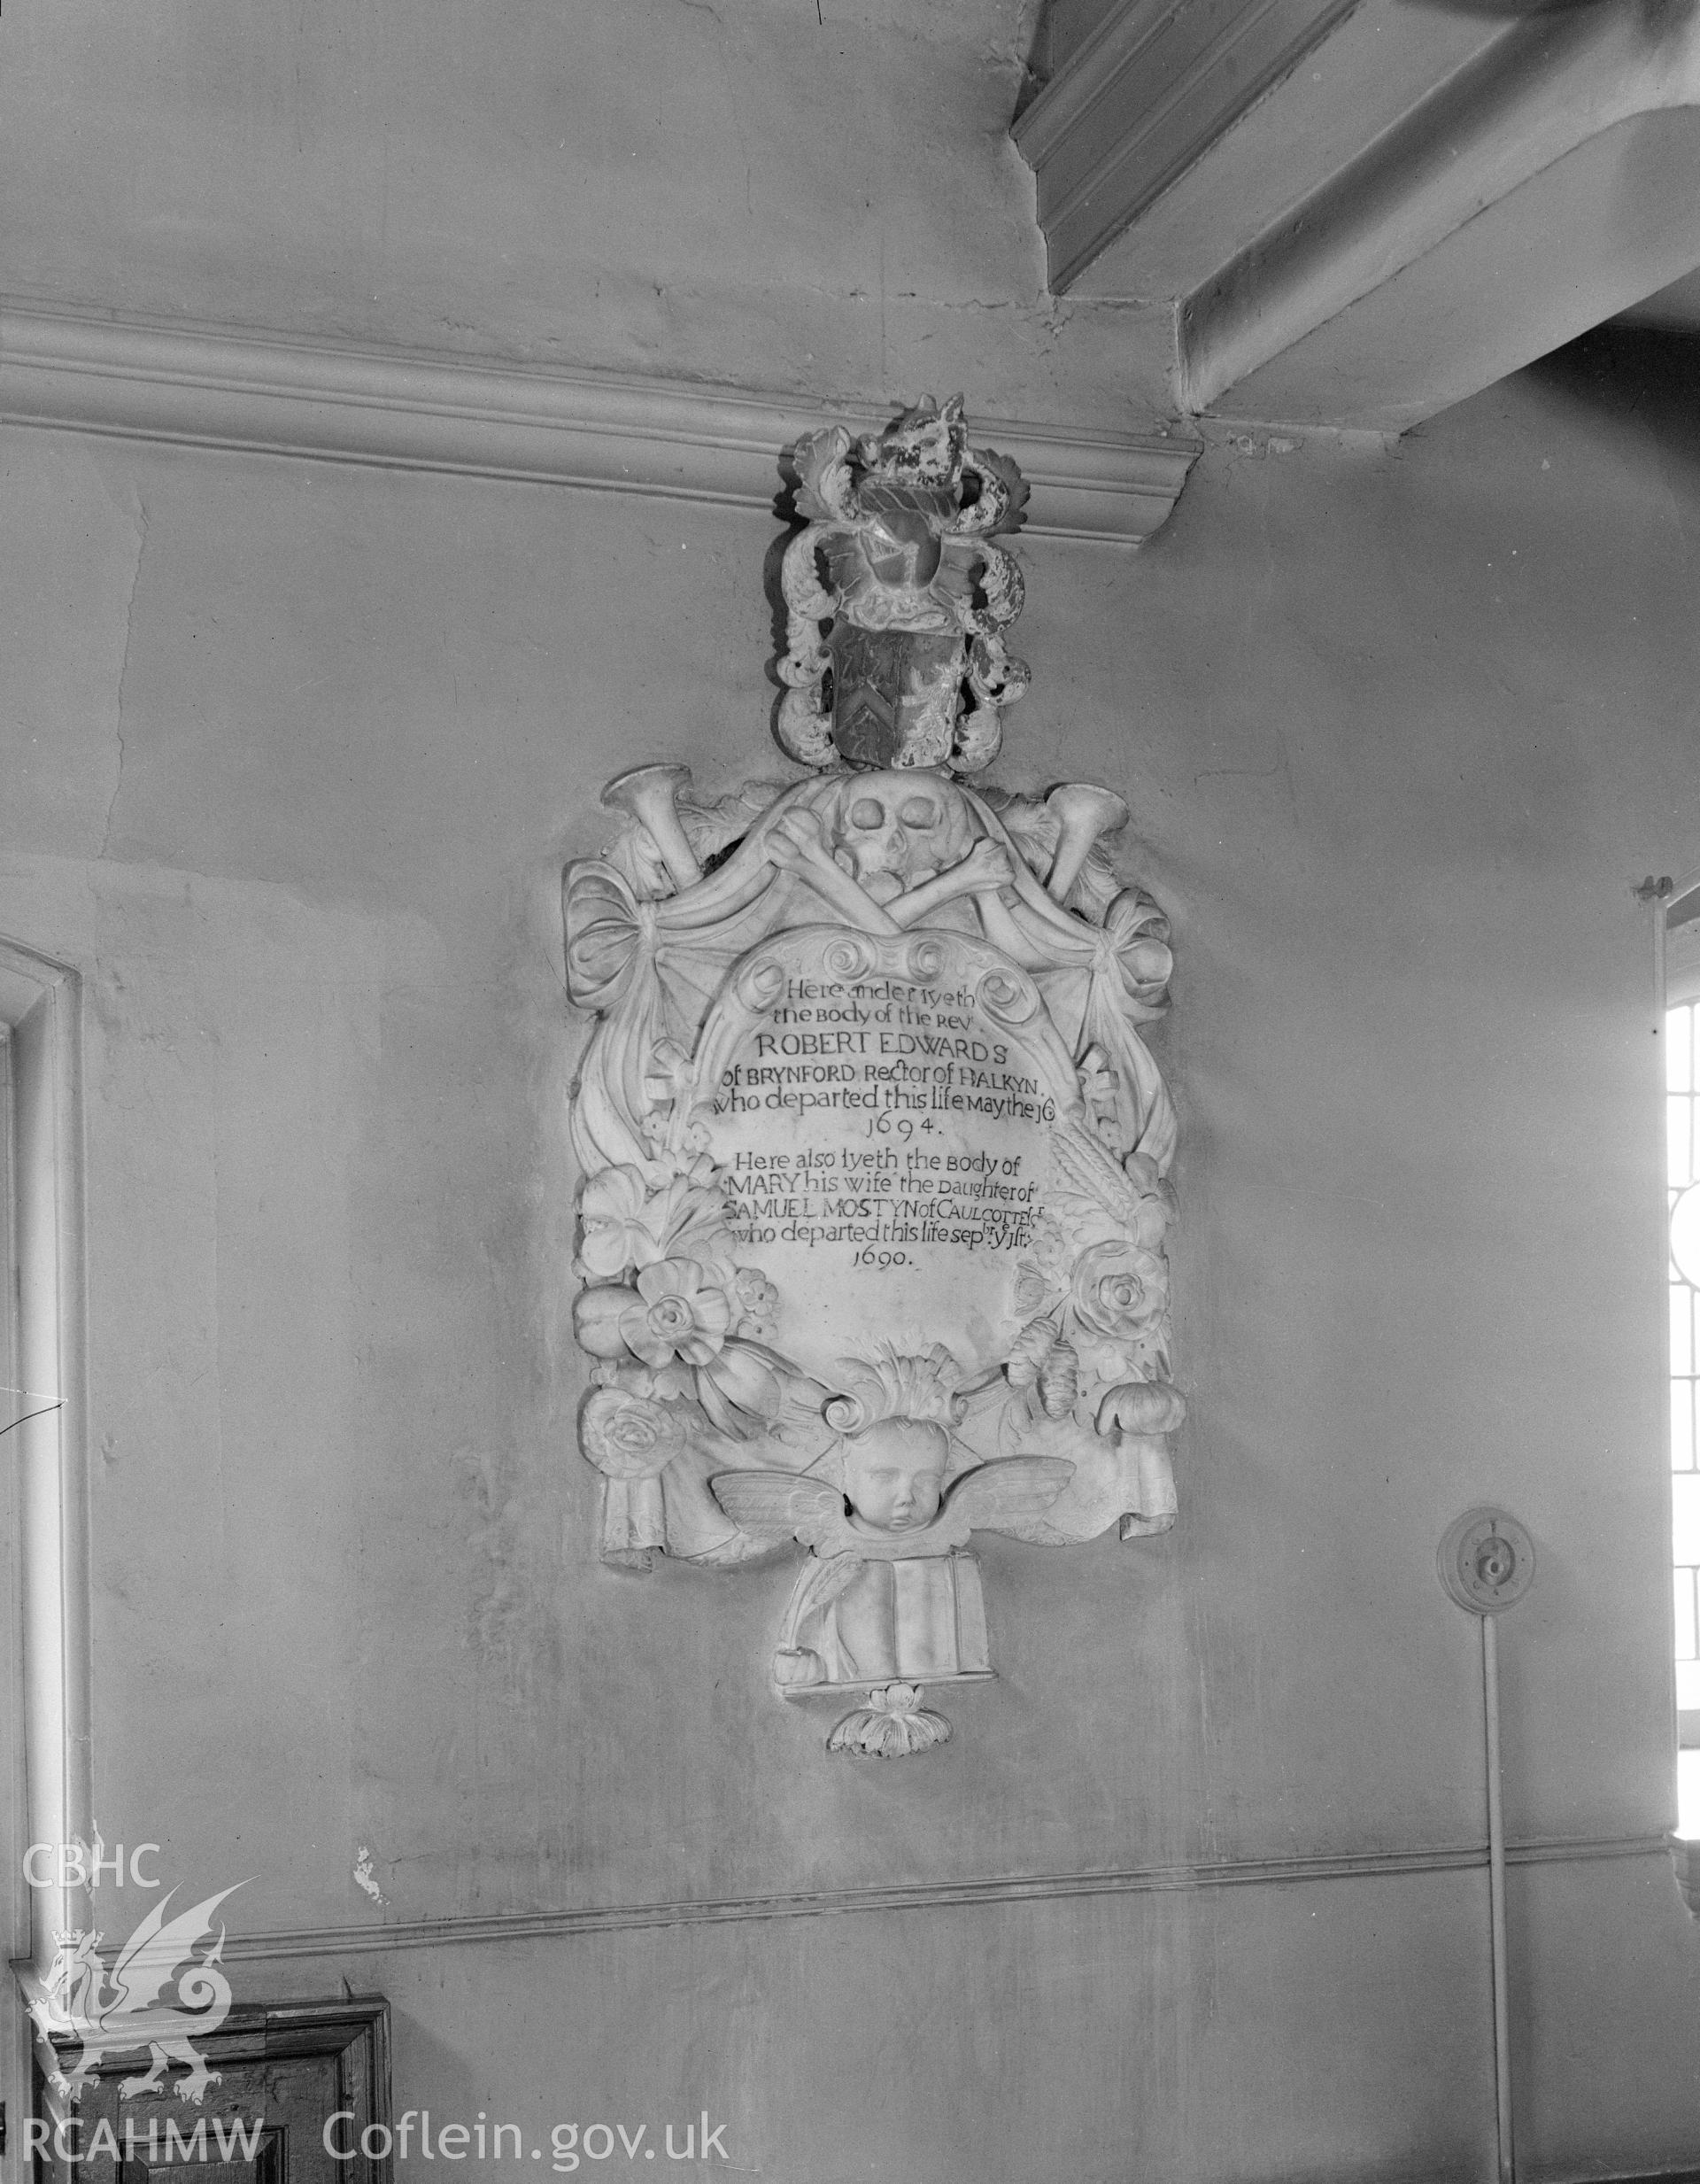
796, 844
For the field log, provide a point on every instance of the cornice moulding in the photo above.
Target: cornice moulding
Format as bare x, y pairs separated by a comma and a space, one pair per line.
602, 431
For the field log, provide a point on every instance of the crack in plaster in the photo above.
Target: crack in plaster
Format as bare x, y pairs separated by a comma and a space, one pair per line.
123, 669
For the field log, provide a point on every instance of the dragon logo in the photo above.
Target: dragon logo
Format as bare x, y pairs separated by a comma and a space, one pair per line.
157, 1993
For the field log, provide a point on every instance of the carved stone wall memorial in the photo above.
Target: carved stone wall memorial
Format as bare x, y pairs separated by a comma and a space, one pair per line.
873, 1215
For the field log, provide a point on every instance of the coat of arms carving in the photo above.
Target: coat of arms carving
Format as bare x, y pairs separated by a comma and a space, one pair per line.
874, 1209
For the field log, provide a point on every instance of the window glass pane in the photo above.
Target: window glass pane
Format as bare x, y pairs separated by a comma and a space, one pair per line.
1685, 1516
1685, 1231
1687, 1794
1683, 1141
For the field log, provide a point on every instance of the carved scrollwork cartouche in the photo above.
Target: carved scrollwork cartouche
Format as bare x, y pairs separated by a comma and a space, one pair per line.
873, 1219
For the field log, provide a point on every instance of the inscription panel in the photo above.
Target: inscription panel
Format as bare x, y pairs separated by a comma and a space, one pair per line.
883, 1114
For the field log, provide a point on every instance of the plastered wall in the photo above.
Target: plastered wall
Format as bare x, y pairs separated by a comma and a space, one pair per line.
293, 755
818, 197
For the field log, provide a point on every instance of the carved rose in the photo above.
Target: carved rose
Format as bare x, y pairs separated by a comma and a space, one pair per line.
628, 1437
676, 1314
1118, 1291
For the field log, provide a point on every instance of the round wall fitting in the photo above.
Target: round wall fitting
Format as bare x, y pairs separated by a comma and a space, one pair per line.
1486, 1561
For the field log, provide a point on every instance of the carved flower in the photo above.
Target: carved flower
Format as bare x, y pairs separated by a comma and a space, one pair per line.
758, 1301
1155, 1203
627, 1224
676, 1314
1118, 1290
667, 1383
622, 1225
628, 1437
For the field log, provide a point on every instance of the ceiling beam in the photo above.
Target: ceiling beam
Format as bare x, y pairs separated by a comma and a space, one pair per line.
1363, 215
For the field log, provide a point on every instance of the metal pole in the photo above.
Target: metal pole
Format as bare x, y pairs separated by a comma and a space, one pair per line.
1486, 1564
1497, 1902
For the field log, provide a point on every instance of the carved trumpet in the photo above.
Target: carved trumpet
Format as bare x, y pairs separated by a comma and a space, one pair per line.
1084, 812
647, 793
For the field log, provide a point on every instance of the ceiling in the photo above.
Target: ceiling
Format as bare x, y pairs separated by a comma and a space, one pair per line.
1337, 212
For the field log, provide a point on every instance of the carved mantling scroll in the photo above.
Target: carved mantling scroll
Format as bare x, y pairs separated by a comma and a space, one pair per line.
873, 1215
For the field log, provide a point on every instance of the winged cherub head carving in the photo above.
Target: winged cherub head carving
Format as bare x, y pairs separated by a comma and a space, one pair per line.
894, 1476
894, 1455
894, 1415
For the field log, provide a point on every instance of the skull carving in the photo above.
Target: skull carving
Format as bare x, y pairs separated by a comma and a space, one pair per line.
892, 831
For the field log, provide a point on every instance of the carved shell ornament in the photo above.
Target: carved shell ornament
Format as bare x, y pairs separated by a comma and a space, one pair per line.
872, 1225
